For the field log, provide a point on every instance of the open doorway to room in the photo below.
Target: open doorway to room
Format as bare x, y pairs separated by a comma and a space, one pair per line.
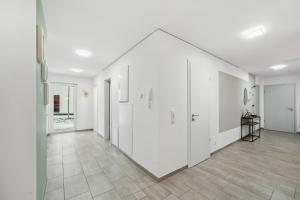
62, 107
107, 109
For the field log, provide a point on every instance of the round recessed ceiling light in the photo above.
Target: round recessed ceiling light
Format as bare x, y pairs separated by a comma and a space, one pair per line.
83, 52
278, 67
76, 70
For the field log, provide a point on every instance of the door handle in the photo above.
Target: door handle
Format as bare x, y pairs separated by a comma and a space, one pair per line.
193, 116
291, 109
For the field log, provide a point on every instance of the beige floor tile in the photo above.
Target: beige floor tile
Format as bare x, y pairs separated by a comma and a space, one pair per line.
192, 195
104, 161
241, 171
99, 184
110, 195
55, 195
156, 192
175, 186
68, 150
70, 158
72, 169
125, 187
75, 185
55, 183
139, 195
129, 197
114, 172
279, 195
54, 160
144, 182
91, 167
172, 197
84, 196
54, 171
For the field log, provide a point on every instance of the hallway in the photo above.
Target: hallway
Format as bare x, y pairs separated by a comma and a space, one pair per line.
82, 166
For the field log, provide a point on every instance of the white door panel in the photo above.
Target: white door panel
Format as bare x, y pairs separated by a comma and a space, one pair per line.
199, 112
280, 107
125, 128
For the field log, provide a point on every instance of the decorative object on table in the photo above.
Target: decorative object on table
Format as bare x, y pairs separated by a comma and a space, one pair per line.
245, 96
40, 44
247, 114
44, 72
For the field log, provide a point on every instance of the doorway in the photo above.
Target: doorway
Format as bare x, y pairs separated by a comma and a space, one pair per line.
95, 111
63, 109
107, 109
279, 107
198, 113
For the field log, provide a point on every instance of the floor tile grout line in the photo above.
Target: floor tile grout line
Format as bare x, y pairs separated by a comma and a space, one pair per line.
271, 195
85, 177
112, 182
63, 175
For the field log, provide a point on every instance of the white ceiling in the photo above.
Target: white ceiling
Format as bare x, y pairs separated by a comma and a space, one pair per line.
110, 27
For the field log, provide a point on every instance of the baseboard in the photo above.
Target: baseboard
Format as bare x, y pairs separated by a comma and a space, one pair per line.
237, 140
157, 179
82, 130
171, 173
216, 151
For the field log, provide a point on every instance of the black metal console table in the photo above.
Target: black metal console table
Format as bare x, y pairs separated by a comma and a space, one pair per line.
250, 121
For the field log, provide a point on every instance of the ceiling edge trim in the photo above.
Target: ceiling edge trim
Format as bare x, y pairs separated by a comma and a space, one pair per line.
130, 49
174, 36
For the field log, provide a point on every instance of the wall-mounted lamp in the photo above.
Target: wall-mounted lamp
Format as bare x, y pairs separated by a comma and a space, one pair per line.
86, 94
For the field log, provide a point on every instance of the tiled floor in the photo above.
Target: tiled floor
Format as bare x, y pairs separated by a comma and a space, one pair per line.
82, 166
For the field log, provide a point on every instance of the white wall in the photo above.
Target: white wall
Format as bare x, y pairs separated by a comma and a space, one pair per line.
173, 58
159, 62
84, 104
144, 120
18, 100
293, 79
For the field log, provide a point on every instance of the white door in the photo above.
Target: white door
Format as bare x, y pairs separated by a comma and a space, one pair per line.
125, 128
107, 110
198, 118
280, 107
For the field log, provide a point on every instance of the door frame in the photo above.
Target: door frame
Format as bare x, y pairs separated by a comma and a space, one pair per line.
107, 113
194, 154
51, 114
295, 104
189, 121
95, 110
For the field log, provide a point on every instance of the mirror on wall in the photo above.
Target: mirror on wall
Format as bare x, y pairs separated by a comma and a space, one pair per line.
245, 96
